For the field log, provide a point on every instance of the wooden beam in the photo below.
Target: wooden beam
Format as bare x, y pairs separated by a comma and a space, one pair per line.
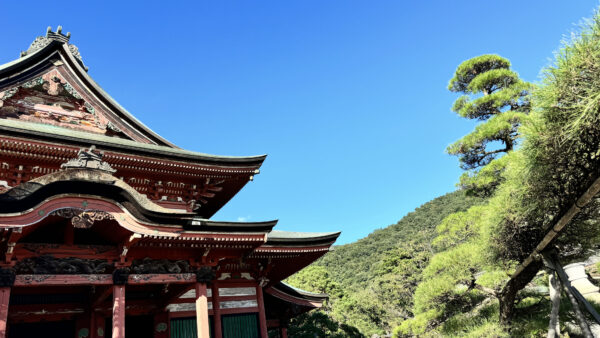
175, 291
38, 280
156, 278
101, 296
103, 279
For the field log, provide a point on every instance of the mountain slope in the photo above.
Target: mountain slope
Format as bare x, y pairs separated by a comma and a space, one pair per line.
371, 281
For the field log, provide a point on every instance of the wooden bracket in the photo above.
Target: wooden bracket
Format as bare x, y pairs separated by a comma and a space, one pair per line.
124, 248
13, 237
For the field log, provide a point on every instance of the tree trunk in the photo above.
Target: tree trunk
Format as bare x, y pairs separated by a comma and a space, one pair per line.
554, 286
514, 285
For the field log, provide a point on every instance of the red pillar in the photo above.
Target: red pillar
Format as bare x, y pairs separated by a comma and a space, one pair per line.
118, 320
4, 299
262, 317
216, 311
161, 325
98, 327
202, 311
284, 332
82, 324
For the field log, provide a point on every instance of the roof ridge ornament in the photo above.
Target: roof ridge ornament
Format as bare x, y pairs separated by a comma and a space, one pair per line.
42, 41
88, 159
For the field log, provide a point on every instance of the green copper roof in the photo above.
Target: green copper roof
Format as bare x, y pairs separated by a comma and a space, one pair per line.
298, 238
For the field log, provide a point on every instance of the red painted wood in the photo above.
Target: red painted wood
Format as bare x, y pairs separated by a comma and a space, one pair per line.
52, 317
63, 251
186, 300
161, 325
175, 278
262, 317
4, 299
81, 323
217, 329
101, 296
283, 332
46, 280
186, 314
100, 327
97, 325
118, 321
240, 310
272, 323
202, 325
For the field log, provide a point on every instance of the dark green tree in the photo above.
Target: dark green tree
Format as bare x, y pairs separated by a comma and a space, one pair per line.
494, 94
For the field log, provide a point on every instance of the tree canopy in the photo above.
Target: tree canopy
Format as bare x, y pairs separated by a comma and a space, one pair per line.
495, 95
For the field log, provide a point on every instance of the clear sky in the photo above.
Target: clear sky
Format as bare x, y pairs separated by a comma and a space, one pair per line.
348, 98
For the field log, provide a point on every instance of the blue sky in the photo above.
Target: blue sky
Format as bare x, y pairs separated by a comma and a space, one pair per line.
348, 98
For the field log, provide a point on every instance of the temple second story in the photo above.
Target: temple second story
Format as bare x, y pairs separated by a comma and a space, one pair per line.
50, 108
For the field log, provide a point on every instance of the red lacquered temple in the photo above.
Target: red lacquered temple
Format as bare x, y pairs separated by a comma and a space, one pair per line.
106, 229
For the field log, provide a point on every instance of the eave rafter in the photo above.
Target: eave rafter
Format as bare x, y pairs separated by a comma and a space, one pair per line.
189, 186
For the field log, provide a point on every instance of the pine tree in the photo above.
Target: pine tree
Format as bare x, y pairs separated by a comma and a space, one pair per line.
494, 94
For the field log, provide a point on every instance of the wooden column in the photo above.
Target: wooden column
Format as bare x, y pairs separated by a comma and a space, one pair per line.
118, 319
4, 299
202, 325
262, 317
218, 330
98, 327
7, 280
283, 332
83, 324
161, 325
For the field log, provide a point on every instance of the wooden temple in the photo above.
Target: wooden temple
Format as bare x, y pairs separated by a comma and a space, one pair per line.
105, 227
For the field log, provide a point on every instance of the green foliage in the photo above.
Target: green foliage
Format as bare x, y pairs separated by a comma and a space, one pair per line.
559, 157
496, 95
319, 324
468, 70
486, 180
316, 278
461, 275
371, 282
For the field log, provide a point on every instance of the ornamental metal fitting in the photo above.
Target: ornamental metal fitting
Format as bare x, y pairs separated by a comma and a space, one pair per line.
120, 276
88, 159
7, 277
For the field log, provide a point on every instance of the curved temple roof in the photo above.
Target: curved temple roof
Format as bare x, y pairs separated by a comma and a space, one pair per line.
52, 50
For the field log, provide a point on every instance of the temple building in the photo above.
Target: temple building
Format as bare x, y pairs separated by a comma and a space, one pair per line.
105, 226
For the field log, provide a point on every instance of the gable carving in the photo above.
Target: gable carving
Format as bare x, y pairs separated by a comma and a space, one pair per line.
50, 99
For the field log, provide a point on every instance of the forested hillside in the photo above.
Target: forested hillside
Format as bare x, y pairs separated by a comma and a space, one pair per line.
371, 281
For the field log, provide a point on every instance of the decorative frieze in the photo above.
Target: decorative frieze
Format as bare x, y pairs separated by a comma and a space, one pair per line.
47, 264
82, 219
